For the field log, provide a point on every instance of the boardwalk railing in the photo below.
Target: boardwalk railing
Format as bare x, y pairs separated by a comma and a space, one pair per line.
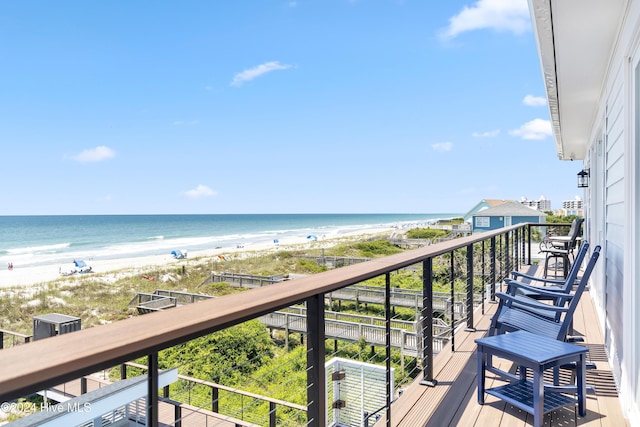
360, 294
25, 369
13, 338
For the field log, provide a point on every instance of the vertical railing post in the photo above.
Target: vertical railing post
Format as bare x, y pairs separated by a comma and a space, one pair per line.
83, 385
516, 249
214, 399
529, 247
470, 288
452, 278
123, 371
177, 415
152, 389
492, 272
1, 340
427, 323
523, 243
316, 412
484, 277
272, 414
507, 259
387, 311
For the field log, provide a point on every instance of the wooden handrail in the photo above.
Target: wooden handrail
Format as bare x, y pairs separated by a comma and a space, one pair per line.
45, 363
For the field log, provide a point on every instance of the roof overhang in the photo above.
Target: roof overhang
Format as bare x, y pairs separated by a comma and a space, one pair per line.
576, 39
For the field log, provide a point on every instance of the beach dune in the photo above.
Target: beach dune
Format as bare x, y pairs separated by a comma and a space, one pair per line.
129, 266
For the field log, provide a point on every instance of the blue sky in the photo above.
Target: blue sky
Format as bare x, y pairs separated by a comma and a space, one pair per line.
259, 106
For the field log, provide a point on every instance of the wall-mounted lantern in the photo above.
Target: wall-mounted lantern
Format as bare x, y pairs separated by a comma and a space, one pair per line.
583, 178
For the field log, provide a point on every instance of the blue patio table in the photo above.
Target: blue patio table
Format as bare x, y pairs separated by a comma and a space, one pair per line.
538, 353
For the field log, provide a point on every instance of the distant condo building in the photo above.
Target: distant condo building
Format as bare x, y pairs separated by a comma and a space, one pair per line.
542, 204
573, 207
572, 204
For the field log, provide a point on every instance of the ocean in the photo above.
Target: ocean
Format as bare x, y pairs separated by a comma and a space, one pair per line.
42, 240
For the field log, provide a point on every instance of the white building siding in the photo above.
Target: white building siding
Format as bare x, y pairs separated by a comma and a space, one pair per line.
612, 211
614, 187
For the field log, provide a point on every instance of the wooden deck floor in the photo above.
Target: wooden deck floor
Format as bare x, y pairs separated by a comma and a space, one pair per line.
453, 401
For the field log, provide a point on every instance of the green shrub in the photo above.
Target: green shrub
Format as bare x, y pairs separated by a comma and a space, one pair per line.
426, 233
377, 248
309, 266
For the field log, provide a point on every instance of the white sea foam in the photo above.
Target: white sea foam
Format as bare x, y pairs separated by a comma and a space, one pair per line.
130, 237
39, 249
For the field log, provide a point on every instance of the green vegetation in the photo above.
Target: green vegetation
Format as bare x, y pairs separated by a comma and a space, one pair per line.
377, 248
556, 219
245, 356
426, 233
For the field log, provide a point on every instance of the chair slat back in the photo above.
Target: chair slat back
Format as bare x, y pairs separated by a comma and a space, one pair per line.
584, 280
512, 316
575, 267
574, 232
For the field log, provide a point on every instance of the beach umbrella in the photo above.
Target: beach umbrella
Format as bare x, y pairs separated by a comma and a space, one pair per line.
80, 263
312, 237
276, 241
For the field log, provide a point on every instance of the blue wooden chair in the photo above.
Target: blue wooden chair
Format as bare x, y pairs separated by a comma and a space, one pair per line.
564, 284
516, 312
561, 247
556, 289
519, 313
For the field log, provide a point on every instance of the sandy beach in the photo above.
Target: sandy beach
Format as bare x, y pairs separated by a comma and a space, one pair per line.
30, 276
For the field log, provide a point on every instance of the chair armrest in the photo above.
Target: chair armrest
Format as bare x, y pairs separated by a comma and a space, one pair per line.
528, 302
555, 251
553, 293
558, 297
517, 274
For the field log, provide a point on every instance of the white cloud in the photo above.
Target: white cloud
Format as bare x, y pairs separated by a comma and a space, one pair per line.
200, 191
535, 129
185, 122
488, 134
252, 73
97, 154
442, 146
534, 101
500, 15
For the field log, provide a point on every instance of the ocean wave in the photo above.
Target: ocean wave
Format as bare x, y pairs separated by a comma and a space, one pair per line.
130, 237
45, 249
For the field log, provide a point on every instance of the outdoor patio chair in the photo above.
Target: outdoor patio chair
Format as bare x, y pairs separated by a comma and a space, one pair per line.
517, 286
558, 294
561, 247
517, 312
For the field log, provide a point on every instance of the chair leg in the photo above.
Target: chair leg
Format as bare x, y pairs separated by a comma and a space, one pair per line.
546, 265
565, 265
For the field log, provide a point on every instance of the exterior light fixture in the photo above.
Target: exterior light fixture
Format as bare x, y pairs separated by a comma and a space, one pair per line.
583, 178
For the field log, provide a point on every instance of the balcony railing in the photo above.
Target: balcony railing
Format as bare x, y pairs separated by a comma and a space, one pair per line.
479, 262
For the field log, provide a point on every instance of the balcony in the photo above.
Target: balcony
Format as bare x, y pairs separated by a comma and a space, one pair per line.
440, 391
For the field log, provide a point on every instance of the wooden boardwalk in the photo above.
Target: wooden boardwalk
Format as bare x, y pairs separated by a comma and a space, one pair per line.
352, 328
453, 401
359, 294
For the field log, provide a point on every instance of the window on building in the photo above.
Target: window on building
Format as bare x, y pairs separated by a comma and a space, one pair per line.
482, 221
